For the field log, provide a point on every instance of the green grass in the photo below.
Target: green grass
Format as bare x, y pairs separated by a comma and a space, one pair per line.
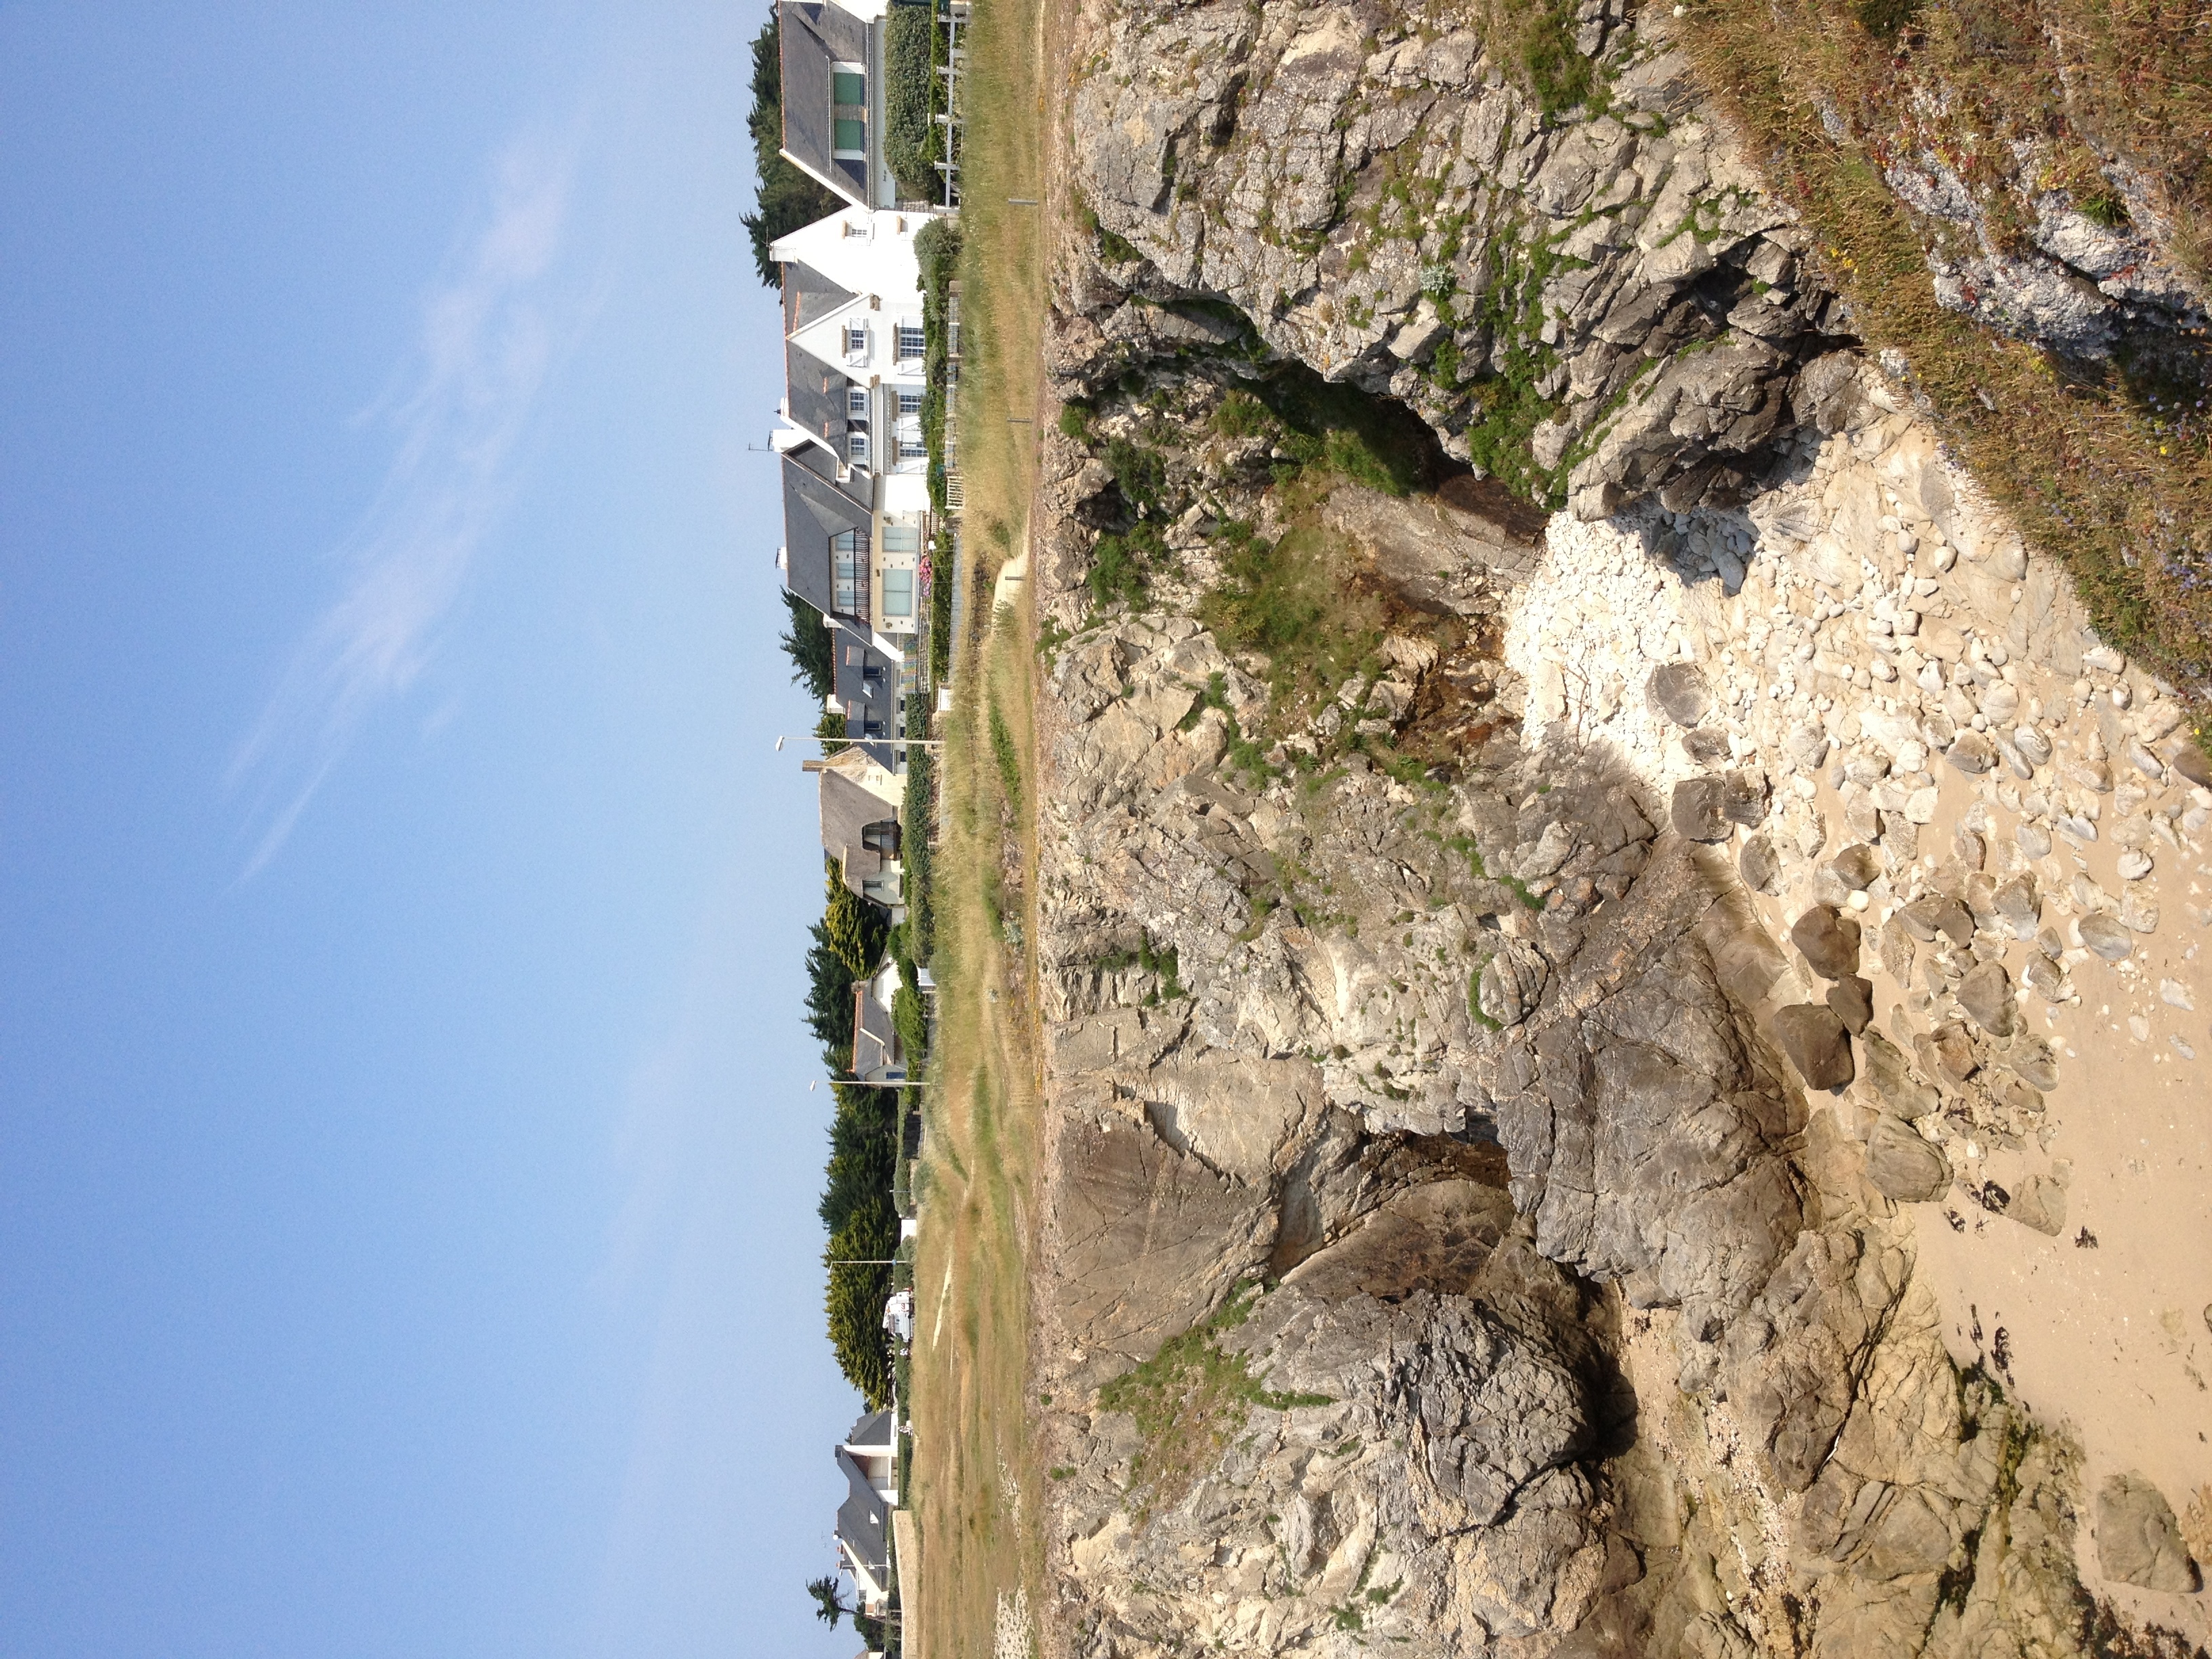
1187, 1400
1009, 759
1287, 601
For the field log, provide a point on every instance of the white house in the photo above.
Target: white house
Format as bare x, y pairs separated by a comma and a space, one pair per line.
850, 426
868, 1458
832, 54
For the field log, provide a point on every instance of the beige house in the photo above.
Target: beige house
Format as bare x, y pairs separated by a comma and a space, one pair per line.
860, 805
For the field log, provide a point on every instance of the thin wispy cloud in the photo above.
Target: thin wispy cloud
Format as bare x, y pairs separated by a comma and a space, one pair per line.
490, 329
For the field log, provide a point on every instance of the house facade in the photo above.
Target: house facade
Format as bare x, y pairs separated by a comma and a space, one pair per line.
832, 55
850, 427
860, 801
868, 1459
878, 1055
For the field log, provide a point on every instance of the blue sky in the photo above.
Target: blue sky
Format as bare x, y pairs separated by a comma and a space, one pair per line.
407, 1170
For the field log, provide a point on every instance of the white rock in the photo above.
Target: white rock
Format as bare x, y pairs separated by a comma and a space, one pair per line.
1920, 807
2134, 865
2175, 995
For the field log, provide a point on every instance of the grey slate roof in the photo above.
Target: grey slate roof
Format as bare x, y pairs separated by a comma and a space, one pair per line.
808, 295
815, 508
873, 1430
874, 1036
866, 699
863, 1523
815, 392
813, 36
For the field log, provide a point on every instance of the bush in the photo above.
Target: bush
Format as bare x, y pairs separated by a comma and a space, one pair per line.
1140, 473
918, 854
910, 144
940, 602
910, 1019
830, 725
1239, 414
1009, 759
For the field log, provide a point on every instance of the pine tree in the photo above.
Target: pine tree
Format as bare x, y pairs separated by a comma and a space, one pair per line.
856, 1297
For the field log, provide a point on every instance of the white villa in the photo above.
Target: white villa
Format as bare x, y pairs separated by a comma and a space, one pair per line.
856, 488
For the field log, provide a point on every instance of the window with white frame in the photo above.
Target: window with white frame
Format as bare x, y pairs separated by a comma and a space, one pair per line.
848, 555
856, 449
856, 339
909, 400
911, 447
898, 593
911, 343
856, 402
848, 111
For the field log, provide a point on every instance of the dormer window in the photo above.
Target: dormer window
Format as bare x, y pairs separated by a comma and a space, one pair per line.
848, 111
856, 402
856, 449
848, 553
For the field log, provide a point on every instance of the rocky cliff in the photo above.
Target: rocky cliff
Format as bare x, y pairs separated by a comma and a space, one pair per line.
1569, 1034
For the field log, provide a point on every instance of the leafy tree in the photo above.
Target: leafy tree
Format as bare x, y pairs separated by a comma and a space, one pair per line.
787, 198
856, 1297
808, 644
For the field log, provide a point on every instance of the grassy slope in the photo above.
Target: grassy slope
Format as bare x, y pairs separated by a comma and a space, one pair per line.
2092, 470
972, 1450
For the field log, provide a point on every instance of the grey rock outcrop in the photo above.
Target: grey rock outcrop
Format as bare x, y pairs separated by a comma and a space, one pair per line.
1903, 1166
1468, 1146
1622, 262
2138, 1541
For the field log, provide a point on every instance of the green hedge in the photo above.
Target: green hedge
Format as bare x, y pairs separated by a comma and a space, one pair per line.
937, 246
910, 99
919, 814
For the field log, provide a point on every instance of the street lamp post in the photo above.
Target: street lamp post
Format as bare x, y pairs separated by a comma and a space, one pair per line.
895, 743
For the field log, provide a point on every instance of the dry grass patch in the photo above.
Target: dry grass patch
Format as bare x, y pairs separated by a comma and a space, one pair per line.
2107, 466
973, 1459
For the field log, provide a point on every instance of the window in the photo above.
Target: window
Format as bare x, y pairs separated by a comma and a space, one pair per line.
910, 342
848, 111
856, 402
901, 538
856, 339
882, 836
911, 447
909, 400
898, 593
849, 559
856, 449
